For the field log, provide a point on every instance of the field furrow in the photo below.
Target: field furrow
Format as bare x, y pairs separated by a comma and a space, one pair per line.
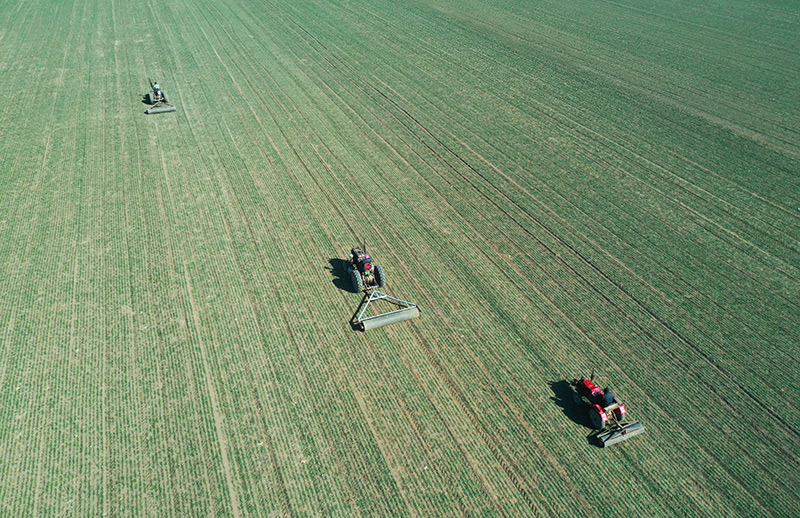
563, 188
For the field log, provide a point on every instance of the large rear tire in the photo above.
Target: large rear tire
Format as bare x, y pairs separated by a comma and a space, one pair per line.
380, 277
358, 282
149, 98
596, 418
164, 96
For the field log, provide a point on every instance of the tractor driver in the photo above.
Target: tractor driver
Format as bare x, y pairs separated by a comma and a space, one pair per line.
607, 397
359, 258
356, 255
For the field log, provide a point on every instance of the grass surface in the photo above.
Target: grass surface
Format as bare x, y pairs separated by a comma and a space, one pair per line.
561, 186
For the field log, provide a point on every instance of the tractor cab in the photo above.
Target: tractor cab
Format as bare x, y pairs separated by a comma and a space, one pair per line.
603, 397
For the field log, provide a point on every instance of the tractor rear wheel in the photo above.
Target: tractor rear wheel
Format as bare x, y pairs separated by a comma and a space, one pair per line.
164, 96
358, 282
595, 418
149, 97
380, 277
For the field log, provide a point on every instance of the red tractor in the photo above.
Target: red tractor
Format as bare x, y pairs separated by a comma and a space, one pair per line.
606, 412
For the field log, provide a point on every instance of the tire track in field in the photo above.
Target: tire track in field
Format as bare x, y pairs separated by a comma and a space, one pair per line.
166, 218
550, 113
612, 257
257, 317
677, 180
322, 190
515, 71
629, 317
386, 453
49, 430
518, 484
217, 414
8, 85
556, 215
576, 254
476, 72
255, 307
219, 418
144, 305
254, 88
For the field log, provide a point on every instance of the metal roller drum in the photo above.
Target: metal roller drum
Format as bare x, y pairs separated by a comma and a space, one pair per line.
406, 311
160, 109
619, 433
389, 318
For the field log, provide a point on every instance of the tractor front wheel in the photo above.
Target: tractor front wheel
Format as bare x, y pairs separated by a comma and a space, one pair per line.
596, 418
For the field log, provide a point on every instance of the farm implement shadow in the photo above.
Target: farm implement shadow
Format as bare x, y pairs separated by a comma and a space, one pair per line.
562, 397
338, 270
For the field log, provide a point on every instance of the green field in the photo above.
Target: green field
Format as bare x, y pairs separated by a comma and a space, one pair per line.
563, 186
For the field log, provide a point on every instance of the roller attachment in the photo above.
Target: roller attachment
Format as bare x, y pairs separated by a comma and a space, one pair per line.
158, 99
160, 109
619, 433
405, 311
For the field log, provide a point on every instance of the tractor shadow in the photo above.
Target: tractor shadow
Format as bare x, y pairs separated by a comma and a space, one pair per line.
338, 269
562, 396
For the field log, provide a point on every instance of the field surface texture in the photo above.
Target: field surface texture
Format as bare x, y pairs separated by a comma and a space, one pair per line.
562, 186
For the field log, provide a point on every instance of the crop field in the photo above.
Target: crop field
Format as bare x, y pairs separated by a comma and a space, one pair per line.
563, 186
